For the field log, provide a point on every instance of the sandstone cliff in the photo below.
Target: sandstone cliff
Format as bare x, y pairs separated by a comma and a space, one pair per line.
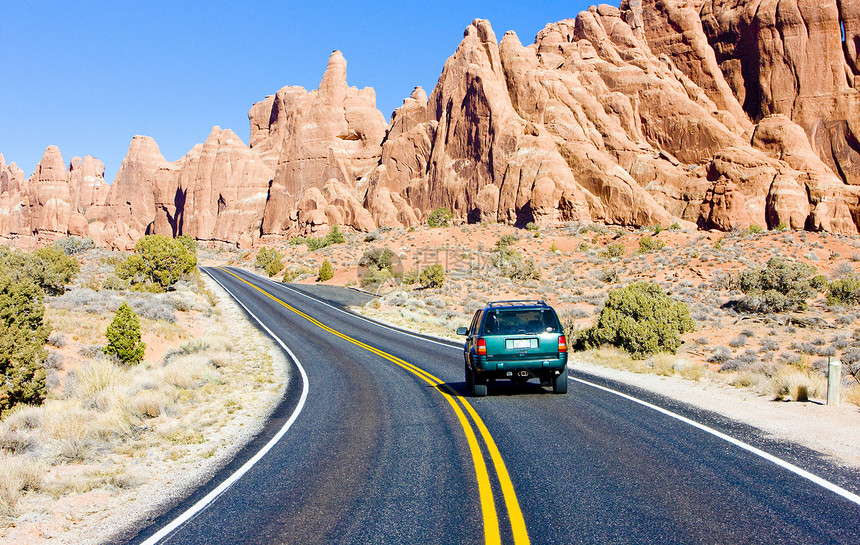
720, 113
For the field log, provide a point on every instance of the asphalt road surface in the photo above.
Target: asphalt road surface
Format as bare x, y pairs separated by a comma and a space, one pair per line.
376, 441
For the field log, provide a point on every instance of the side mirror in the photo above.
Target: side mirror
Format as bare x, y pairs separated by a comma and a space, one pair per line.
462, 331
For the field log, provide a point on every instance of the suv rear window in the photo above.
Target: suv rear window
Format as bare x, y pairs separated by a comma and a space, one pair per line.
521, 321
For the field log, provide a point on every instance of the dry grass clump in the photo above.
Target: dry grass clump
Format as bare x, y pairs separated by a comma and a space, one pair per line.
188, 372
851, 395
17, 475
668, 365
796, 385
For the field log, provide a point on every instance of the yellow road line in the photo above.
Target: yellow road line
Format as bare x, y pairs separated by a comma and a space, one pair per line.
488, 507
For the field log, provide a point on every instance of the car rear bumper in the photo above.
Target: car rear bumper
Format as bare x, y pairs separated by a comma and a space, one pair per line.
542, 367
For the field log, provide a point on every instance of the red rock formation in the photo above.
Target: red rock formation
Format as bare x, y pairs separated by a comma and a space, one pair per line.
783, 57
225, 186
331, 133
722, 113
14, 203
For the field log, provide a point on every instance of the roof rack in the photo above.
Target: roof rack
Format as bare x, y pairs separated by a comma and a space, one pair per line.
517, 302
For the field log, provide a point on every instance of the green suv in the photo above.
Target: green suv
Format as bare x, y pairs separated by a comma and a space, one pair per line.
515, 340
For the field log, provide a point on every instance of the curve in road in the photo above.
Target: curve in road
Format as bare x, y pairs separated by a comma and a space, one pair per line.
379, 457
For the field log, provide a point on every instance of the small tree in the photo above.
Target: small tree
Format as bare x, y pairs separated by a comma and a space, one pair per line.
641, 319
159, 260
844, 291
433, 276
49, 267
123, 335
335, 236
376, 266
23, 334
439, 217
325, 272
270, 260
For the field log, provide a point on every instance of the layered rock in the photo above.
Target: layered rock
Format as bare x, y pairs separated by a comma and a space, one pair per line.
14, 202
722, 113
573, 127
333, 133
785, 57
224, 186
87, 183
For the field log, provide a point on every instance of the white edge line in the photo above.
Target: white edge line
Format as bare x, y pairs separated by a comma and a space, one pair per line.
758, 452
211, 496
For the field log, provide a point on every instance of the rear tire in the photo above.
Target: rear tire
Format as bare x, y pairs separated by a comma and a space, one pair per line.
479, 390
559, 385
470, 380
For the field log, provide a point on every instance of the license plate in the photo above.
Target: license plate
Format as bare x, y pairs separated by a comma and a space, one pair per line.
521, 343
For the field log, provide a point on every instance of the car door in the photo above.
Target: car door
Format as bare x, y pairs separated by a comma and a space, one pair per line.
473, 333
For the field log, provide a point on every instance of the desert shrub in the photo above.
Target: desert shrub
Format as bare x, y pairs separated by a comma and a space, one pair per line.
512, 264
782, 285
269, 260
607, 275
17, 475
769, 345
532, 226
146, 305
818, 282
439, 217
48, 267
796, 385
379, 258
74, 245
335, 236
376, 266
410, 277
123, 335
57, 339
188, 242
158, 262
844, 291
114, 282
23, 335
433, 276
720, 354
650, 244
615, 250
641, 319
738, 341
325, 272
374, 277
506, 241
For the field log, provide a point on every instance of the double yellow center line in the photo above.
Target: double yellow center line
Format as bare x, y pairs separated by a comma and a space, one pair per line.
492, 534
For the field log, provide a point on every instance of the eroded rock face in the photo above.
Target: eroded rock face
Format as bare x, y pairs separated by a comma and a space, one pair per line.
224, 185
784, 57
333, 133
14, 202
720, 113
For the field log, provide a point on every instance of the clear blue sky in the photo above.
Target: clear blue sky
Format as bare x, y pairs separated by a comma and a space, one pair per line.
88, 76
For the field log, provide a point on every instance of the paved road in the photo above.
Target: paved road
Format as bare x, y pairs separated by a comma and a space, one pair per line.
387, 449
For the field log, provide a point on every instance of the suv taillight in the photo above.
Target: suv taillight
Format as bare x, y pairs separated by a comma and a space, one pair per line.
482, 347
562, 343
